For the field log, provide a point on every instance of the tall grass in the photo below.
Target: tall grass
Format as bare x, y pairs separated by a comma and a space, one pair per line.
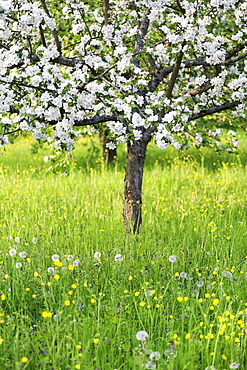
75, 290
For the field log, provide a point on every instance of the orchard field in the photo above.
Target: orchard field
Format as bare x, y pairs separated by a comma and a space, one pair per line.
77, 293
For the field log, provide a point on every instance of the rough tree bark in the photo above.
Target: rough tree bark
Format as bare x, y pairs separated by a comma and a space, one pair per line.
132, 213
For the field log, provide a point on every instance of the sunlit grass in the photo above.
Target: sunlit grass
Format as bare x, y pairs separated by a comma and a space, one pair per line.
75, 290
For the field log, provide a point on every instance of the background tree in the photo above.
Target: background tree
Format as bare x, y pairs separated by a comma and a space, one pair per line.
142, 70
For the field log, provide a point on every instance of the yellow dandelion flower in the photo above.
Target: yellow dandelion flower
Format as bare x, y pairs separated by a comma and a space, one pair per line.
142, 304
56, 277
58, 263
24, 360
73, 286
180, 299
71, 267
130, 278
95, 340
216, 302
35, 274
92, 300
77, 366
67, 302
46, 314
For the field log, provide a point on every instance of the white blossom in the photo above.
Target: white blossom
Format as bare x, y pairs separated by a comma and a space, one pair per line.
64, 89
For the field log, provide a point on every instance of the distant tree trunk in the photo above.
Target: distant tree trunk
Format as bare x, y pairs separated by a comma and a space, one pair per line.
132, 213
109, 155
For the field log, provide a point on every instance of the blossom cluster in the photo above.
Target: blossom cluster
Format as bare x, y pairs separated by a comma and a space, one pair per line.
133, 70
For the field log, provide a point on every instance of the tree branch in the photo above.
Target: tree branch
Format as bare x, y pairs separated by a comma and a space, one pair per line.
235, 50
106, 9
11, 132
95, 120
143, 29
54, 32
215, 109
18, 83
174, 75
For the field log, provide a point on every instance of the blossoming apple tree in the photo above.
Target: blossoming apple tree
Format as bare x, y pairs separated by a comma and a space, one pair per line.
140, 69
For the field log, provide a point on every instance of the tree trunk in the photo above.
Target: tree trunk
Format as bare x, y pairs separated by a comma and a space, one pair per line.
109, 155
132, 213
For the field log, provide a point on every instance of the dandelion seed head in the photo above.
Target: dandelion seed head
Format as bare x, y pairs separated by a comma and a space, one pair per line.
234, 365
51, 270
172, 258
76, 263
183, 275
200, 283
12, 252
97, 255
23, 254
142, 335
150, 365
155, 356
55, 257
149, 293
170, 353
118, 258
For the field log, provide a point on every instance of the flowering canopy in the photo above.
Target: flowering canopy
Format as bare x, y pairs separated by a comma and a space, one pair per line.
140, 68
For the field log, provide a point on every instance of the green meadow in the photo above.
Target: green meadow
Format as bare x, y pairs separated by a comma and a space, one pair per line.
77, 293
